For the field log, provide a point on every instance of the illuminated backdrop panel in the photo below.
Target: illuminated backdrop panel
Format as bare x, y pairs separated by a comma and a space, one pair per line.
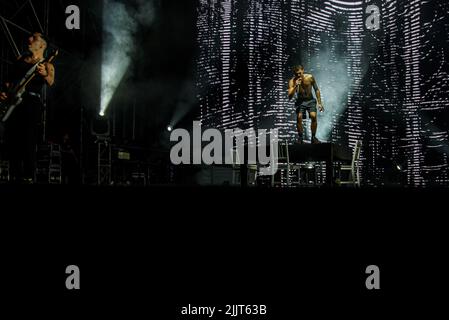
381, 66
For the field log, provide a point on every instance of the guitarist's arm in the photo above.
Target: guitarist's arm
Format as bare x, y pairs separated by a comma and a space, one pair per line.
47, 71
3, 95
4, 88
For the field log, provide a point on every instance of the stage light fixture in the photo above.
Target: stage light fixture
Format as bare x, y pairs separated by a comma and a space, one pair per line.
100, 127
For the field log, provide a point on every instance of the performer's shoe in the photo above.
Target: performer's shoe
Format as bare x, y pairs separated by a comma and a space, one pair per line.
301, 141
315, 141
27, 181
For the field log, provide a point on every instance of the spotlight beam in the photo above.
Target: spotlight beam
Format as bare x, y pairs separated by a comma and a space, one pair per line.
120, 25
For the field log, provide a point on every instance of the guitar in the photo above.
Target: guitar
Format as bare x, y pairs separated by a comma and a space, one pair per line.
16, 92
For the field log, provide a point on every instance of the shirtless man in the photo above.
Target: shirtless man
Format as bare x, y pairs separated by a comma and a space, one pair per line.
21, 130
302, 84
37, 44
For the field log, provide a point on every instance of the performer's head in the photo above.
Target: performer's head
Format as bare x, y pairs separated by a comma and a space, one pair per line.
298, 70
37, 42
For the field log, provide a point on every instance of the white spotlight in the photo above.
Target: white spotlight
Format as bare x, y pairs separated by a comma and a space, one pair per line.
118, 46
169, 128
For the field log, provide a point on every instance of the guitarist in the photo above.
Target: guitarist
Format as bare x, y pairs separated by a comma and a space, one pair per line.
22, 128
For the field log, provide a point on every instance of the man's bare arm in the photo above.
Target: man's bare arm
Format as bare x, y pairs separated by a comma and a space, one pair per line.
3, 95
50, 78
47, 71
318, 94
292, 85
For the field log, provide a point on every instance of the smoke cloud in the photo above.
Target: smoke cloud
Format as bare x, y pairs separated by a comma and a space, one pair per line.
334, 83
120, 24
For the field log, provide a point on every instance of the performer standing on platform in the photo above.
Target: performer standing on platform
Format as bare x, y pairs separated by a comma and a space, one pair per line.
302, 84
21, 129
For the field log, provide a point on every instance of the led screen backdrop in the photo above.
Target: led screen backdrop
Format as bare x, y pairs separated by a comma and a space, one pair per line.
382, 67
